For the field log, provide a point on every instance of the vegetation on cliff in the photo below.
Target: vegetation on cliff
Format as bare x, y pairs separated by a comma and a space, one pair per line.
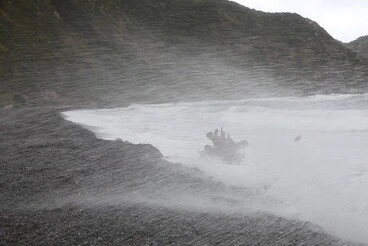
113, 52
360, 46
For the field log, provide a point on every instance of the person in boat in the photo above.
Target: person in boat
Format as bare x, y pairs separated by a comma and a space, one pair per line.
219, 142
223, 145
216, 140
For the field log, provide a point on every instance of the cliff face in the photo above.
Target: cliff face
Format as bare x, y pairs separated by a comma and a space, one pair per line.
360, 46
113, 52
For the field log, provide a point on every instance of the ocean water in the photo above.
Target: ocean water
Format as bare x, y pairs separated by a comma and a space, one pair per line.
321, 178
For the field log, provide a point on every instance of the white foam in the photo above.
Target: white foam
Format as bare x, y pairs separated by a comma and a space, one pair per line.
322, 178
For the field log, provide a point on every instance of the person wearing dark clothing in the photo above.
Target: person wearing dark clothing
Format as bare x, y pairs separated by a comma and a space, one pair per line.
223, 146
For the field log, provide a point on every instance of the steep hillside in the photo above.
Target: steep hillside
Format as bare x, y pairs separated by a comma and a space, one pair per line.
360, 46
113, 52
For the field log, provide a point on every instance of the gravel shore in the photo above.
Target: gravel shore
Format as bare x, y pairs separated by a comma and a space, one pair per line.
60, 185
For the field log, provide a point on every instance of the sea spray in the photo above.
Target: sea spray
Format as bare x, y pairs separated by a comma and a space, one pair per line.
322, 177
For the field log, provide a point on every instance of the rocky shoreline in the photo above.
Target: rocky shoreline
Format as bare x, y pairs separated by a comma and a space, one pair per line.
61, 185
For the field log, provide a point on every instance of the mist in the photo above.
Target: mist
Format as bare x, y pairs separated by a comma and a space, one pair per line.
108, 117
305, 179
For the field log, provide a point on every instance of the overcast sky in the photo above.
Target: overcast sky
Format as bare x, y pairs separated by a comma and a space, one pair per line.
345, 20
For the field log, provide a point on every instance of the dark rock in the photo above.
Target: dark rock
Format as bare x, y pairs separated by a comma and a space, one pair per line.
104, 53
360, 46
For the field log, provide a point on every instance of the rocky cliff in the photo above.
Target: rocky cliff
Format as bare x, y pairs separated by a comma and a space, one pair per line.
110, 52
360, 46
